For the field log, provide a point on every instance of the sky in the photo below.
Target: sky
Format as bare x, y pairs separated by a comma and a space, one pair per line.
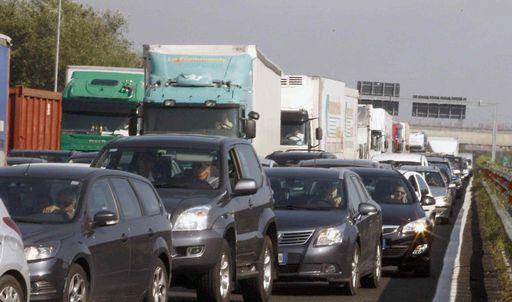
435, 47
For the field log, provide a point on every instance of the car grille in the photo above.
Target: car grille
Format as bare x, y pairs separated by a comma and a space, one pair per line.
294, 238
388, 229
394, 252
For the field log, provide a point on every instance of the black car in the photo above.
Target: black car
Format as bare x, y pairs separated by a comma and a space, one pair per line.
221, 202
406, 229
89, 234
329, 227
13, 161
82, 157
292, 158
51, 156
340, 163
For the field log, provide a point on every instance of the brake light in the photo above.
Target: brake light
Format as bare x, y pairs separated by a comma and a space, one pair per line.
10, 223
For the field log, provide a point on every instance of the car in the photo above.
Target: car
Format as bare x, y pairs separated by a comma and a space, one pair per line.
51, 156
438, 189
421, 188
221, 203
454, 181
292, 158
14, 275
12, 161
329, 227
89, 234
407, 231
400, 159
267, 163
82, 157
339, 163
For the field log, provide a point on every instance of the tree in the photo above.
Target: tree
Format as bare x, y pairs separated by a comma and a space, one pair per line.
88, 37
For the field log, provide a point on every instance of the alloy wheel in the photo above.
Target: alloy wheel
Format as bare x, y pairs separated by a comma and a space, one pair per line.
378, 263
267, 270
355, 269
159, 285
77, 289
225, 276
9, 294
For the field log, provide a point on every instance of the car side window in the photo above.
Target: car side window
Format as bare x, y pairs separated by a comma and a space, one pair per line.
249, 163
101, 198
412, 180
130, 206
233, 168
423, 185
365, 197
147, 197
353, 195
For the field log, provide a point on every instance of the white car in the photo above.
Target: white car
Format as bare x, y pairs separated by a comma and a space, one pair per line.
14, 280
422, 189
401, 159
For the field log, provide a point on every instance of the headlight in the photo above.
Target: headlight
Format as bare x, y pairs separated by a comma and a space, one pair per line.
329, 236
42, 251
441, 201
416, 226
193, 219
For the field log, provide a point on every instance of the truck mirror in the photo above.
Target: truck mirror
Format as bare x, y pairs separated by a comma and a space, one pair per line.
250, 128
254, 115
132, 126
319, 134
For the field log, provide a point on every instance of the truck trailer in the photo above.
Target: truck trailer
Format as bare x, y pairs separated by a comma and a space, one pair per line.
312, 106
375, 130
228, 90
444, 145
5, 55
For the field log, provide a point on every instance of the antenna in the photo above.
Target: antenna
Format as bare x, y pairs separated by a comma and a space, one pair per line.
28, 167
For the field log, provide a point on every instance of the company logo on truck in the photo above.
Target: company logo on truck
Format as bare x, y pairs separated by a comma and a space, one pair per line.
180, 60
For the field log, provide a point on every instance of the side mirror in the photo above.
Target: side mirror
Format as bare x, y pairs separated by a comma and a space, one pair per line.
452, 186
424, 192
246, 186
428, 201
250, 128
254, 115
367, 209
103, 218
319, 134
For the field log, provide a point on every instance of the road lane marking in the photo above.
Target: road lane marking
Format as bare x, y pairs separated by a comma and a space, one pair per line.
448, 279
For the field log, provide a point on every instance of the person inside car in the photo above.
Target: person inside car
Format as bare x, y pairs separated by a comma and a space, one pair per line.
202, 175
328, 192
399, 195
145, 164
65, 203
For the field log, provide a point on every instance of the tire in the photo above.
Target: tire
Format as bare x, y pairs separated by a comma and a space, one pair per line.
260, 289
77, 284
423, 271
352, 286
373, 280
158, 283
211, 287
10, 288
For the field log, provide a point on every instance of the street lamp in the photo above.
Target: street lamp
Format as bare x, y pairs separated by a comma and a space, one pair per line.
482, 103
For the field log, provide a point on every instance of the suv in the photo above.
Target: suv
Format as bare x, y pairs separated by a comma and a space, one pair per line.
221, 203
291, 158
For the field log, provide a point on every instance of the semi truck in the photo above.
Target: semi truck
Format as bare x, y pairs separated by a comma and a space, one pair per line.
5, 54
418, 142
375, 129
312, 106
400, 137
99, 104
228, 90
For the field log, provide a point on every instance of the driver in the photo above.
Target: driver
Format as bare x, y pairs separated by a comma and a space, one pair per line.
224, 123
296, 137
399, 195
203, 174
66, 202
329, 193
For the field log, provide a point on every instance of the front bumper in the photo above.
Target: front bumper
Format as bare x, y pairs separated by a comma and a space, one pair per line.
443, 212
409, 249
47, 279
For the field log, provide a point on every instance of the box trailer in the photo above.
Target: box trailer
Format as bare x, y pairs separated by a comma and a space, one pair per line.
444, 145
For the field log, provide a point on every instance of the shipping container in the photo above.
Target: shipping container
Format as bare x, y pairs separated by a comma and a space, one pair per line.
34, 119
5, 44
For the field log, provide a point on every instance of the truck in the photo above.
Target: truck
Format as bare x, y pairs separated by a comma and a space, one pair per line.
418, 142
5, 55
227, 90
375, 129
99, 104
400, 137
444, 145
312, 104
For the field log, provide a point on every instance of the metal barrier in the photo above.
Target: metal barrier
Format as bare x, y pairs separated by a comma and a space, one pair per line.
502, 181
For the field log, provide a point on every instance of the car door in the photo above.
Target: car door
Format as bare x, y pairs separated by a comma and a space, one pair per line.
140, 237
374, 220
109, 245
414, 183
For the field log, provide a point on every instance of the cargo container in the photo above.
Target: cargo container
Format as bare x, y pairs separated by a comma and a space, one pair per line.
313, 102
418, 142
444, 145
5, 44
34, 119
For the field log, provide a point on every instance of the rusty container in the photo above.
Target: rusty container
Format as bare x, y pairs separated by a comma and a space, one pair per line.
34, 119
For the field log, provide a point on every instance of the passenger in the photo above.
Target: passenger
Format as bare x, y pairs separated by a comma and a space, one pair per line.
145, 163
66, 202
296, 137
399, 195
224, 123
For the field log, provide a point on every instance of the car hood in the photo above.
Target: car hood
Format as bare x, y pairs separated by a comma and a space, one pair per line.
288, 220
178, 200
33, 233
439, 191
400, 214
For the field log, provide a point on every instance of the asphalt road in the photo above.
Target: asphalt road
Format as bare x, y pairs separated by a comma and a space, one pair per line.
394, 286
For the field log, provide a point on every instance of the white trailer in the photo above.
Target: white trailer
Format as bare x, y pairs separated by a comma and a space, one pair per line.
375, 130
417, 142
444, 145
312, 102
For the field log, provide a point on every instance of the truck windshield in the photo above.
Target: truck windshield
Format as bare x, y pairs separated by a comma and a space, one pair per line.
211, 121
293, 133
74, 123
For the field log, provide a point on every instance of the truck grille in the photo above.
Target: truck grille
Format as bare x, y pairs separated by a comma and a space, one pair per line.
295, 238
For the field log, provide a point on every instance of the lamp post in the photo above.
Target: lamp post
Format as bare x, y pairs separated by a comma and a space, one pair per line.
56, 75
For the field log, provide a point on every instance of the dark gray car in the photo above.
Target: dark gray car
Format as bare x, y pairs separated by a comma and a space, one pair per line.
221, 202
89, 234
329, 227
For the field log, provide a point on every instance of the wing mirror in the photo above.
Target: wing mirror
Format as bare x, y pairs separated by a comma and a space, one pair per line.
250, 128
428, 201
254, 115
104, 218
319, 134
246, 186
367, 209
452, 186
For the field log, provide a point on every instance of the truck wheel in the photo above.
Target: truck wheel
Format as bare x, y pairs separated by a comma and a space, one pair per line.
158, 284
260, 288
217, 284
77, 285
10, 289
352, 286
373, 280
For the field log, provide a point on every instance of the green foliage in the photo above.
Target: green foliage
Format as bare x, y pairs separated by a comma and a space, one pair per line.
88, 37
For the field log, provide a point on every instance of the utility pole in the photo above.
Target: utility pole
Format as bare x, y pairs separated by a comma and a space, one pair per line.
57, 49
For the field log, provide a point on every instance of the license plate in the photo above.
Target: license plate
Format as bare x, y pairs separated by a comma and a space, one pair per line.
282, 258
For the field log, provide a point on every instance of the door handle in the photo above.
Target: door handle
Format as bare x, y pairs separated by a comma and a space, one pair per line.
124, 238
150, 232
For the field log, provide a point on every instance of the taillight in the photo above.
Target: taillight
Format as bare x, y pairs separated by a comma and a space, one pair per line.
10, 223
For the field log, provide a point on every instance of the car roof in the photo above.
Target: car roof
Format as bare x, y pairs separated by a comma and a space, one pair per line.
437, 159
420, 168
398, 157
18, 152
61, 171
175, 140
340, 162
310, 172
376, 171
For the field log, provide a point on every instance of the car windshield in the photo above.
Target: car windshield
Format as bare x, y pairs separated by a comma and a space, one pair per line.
386, 189
40, 200
434, 179
167, 167
308, 193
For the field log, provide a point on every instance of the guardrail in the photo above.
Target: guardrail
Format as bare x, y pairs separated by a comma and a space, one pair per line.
502, 180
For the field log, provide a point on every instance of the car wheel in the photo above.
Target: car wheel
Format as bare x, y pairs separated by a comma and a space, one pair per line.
76, 288
352, 286
260, 288
158, 283
10, 289
217, 284
423, 271
373, 280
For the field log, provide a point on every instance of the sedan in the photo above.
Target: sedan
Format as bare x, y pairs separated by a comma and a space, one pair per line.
329, 228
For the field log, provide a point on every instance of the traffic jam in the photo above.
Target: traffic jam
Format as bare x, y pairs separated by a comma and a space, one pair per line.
210, 174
